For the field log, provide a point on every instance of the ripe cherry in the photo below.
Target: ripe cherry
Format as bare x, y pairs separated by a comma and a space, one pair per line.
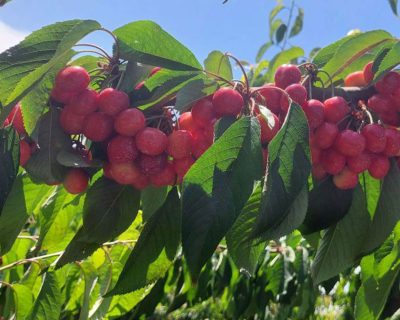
297, 93
71, 122
350, 143
200, 143
112, 101
98, 126
154, 71
346, 179
141, 182
315, 154
16, 119
392, 146
152, 164
84, 103
318, 172
72, 79
271, 97
130, 122
332, 161
167, 177
391, 118
186, 122
203, 112
380, 103
151, 141
125, 173
389, 83
24, 152
359, 163
335, 109
286, 75
325, 135
180, 143
107, 170
62, 96
76, 181
368, 73
375, 137
227, 101
379, 166
268, 131
314, 111
122, 149
355, 79
182, 166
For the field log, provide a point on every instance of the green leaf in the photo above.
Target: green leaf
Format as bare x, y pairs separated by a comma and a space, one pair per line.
25, 65
4, 2
152, 199
217, 187
341, 246
283, 57
73, 159
109, 210
140, 41
90, 277
9, 162
48, 303
372, 190
285, 192
43, 165
246, 253
393, 6
390, 60
280, 33
325, 54
274, 12
155, 249
23, 301
263, 49
298, 24
194, 91
219, 64
133, 74
273, 27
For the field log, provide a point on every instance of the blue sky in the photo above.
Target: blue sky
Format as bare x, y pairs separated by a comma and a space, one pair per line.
240, 26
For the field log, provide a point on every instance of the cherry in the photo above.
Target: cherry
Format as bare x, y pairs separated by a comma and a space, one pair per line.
286, 75
186, 122
180, 144
154, 71
6, 123
200, 143
16, 119
152, 164
125, 173
355, 79
392, 146
332, 161
297, 93
380, 103
325, 135
141, 182
375, 137
389, 83
391, 118
167, 177
335, 109
62, 96
112, 101
315, 154
268, 131
122, 149
24, 152
76, 181
84, 103
151, 141
227, 101
395, 97
379, 166
350, 143
130, 122
71, 122
359, 163
182, 166
272, 98
107, 170
203, 112
72, 79
346, 179
368, 73
98, 126
318, 172
314, 111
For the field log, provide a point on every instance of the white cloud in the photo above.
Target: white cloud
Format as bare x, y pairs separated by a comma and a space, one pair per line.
10, 36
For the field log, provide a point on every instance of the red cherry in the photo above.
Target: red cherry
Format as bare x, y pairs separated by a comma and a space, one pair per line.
392, 146
112, 101
268, 131
379, 166
62, 96
368, 74
375, 137
355, 79
130, 122
314, 111
297, 93
152, 164
6, 123
141, 182
182, 166
380, 103
395, 97
332, 161
72, 79
325, 135
167, 177
335, 109
359, 163
271, 97
24, 152
350, 143
151, 141
107, 170
200, 143
180, 143
286, 75
315, 154
122, 149
227, 101
346, 179
16, 119
98, 126
203, 112
154, 71
84, 103
71, 122
76, 181
186, 122
125, 173
389, 83
390, 118
318, 172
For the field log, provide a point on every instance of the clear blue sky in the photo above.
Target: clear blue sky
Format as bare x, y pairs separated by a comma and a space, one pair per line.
240, 26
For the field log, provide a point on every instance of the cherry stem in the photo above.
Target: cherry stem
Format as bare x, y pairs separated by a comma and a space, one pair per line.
330, 81
117, 47
218, 77
93, 51
241, 68
366, 111
95, 47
